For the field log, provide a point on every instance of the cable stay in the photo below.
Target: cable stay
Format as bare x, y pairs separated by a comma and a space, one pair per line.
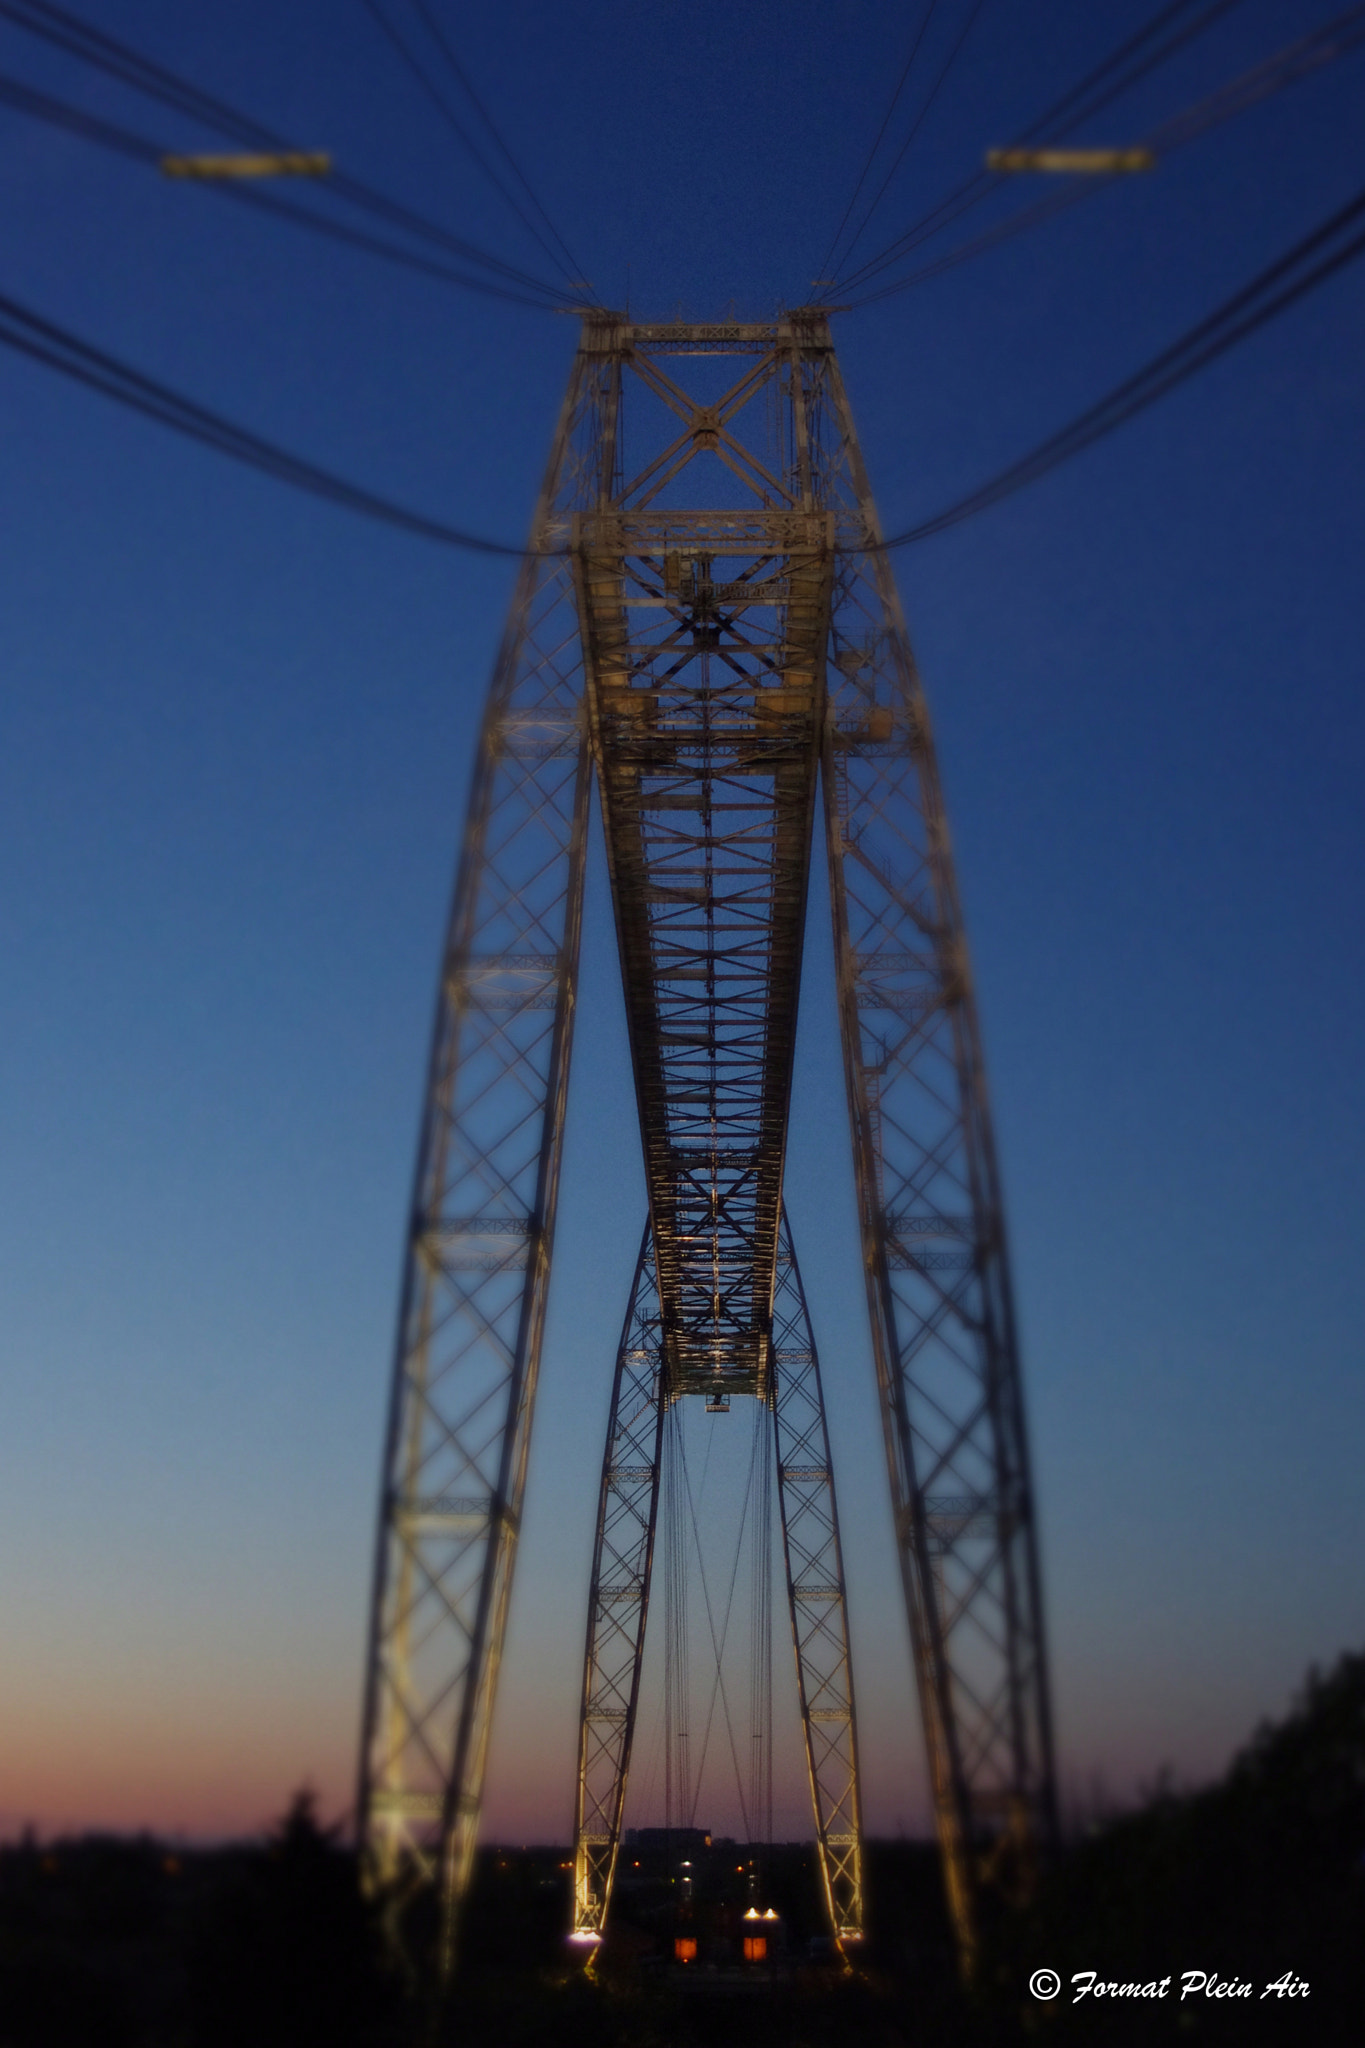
718, 1640
447, 50
1290, 66
1106, 82
118, 60
412, 62
684, 1775
876, 143
560, 256
916, 125
686, 1772
747, 1807
761, 1640
677, 1804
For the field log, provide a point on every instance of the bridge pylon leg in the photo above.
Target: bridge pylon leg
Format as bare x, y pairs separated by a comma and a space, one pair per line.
479, 1240
944, 1335
816, 1597
618, 1602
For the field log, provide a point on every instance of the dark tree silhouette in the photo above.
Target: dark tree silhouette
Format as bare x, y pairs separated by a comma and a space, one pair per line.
1258, 1875
286, 1951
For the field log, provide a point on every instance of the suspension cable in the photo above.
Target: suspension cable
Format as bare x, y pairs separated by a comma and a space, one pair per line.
729, 1606
876, 142
718, 1641
121, 141
761, 1640
676, 1810
462, 78
413, 64
1289, 66
916, 125
119, 60
1269, 294
29, 334
1113, 76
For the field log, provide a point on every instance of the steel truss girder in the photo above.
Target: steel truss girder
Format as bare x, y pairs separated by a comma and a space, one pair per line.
618, 1601
705, 695
479, 1241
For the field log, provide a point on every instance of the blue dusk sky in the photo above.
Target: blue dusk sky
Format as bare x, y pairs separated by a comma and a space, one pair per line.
236, 732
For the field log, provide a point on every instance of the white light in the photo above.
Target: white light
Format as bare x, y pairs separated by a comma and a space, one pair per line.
585, 1937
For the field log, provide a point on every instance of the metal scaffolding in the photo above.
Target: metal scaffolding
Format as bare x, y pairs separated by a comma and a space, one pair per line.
712, 626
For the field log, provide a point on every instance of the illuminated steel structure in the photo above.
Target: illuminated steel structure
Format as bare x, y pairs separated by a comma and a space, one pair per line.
706, 623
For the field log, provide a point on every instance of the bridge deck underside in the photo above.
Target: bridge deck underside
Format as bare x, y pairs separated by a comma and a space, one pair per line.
705, 639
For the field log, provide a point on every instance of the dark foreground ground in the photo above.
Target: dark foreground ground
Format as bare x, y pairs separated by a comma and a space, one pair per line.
1260, 1880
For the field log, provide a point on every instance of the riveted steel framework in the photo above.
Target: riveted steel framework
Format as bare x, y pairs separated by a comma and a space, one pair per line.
935, 1261
716, 622
704, 636
480, 1234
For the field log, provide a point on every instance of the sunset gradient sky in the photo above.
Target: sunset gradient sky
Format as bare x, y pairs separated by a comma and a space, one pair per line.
235, 745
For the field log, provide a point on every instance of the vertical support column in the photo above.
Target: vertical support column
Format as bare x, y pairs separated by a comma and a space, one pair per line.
933, 1231
480, 1235
627, 1513
816, 1597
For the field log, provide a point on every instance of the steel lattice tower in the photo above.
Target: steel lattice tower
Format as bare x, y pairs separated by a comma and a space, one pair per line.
706, 623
